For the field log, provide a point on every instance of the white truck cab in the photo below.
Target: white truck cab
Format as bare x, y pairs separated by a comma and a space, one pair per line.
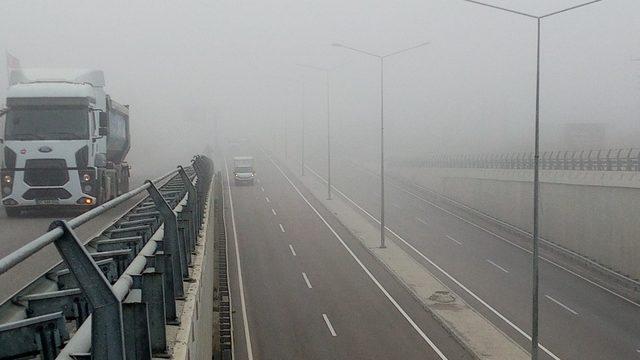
65, 141
243, 170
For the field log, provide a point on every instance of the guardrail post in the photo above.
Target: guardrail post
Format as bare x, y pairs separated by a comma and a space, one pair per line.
107, 334
192, 205
153, 294
171, 243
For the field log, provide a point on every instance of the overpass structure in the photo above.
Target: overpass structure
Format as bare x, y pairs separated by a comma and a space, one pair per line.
133, 289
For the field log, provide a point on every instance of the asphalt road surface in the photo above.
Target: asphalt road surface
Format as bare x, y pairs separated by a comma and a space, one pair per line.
16, 232
308, 288
486, 265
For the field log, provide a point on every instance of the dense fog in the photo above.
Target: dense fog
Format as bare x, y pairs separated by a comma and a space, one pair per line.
190, 68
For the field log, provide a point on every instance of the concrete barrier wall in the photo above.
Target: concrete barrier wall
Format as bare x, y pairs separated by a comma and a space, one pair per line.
592, 213
195, 336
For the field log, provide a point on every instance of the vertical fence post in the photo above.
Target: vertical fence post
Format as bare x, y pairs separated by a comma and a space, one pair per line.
170, 241
107, 335
192, 206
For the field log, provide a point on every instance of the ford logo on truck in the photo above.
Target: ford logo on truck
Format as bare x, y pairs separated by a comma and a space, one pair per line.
44, 149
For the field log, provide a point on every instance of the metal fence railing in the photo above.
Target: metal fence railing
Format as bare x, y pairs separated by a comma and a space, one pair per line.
115, 292
595, 160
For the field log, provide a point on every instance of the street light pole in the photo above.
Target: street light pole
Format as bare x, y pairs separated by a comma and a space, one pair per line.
302, 141
536, 169
327, 72
381, 58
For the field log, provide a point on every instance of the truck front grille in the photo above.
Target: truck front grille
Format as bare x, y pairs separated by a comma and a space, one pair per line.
46, 172
46, 194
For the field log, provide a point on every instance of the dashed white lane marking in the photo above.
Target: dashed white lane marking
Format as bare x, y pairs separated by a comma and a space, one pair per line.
498, 266
454, 240
293, 252
258, 180
273, 211
281, 227
306, 280
562, 305
267, 199
396, 206
422, 221
245, 321
262, 188
384, 291
462, 286
326, 321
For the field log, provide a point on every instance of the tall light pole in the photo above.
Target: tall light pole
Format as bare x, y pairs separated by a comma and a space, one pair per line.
381, 58
302, 140
327, 72
536, 170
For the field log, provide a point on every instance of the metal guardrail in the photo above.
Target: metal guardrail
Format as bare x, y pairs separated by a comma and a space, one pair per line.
117, 300
590, 160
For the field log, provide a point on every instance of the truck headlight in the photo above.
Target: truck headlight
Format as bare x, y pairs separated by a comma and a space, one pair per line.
7, 179
86, 177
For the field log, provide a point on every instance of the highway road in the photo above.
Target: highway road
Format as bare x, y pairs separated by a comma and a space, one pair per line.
486, 265
304, 288
15, 232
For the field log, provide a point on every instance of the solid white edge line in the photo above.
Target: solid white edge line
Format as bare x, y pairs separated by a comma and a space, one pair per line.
562, 305
247, 336
498, 266
293, 252
326, 321
281, 227
363, 267
480, 300
273, 211
454, 240
306, 280
509, 241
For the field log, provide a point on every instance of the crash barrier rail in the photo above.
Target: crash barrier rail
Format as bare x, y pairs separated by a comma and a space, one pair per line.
113, 298
595, 160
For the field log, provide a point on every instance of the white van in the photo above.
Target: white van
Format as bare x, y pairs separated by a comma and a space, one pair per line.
243, 170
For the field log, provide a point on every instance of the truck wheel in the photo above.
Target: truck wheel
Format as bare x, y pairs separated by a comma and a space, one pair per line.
12, 212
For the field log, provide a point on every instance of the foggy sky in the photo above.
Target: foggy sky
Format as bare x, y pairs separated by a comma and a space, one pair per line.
183, 65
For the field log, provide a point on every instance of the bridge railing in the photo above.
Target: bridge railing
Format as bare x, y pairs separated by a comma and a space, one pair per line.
627, 159
111, 297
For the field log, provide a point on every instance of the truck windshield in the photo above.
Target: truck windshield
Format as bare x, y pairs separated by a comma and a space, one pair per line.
47, 123
244, 169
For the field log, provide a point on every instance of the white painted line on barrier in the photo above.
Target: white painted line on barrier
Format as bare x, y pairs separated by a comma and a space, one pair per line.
498, 266
247, 336
454, 240
293, 252
326, 321
463, 287
281, 227
363, 267
306, 280
562, 305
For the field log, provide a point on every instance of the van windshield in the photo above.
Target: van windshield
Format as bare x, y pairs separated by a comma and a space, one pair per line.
47, 123
244, 169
